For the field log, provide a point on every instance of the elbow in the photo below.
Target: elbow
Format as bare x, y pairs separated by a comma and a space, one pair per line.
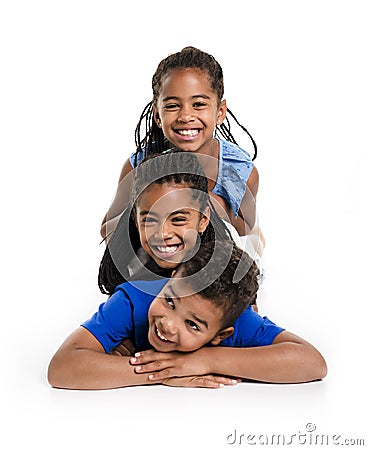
320, 367
53, 374
304, 364
315, 367
59, 375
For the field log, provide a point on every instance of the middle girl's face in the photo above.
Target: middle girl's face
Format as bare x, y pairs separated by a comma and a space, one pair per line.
168, 220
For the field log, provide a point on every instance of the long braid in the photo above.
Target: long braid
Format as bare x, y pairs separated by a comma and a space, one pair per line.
153, 141
125, 242
224, 131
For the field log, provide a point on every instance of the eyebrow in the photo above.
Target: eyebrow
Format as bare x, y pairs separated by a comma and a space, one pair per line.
178, 211
203, 322
173, 97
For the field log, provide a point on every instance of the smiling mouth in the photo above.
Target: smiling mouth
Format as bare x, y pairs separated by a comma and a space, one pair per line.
188, 133
166, 251
161, 337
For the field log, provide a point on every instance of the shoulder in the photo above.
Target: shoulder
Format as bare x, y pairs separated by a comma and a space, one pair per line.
127, 168
236, 164
141, 289
136, 158
253, 330
140, 294
233, 152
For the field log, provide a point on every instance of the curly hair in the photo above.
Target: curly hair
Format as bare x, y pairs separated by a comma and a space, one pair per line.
210, 273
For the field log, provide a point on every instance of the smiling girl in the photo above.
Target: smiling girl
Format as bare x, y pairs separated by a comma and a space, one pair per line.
188, 111
169, 215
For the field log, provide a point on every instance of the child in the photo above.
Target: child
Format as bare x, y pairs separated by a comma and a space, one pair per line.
170, 214
192, 321
188, 112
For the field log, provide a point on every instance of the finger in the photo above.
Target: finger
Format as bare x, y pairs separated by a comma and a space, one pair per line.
225, 380
146, 352
156, 367
206, 382
146, 358
198, 382
159, 376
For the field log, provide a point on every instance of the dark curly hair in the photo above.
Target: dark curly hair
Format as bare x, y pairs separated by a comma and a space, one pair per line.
149, 138
213, 272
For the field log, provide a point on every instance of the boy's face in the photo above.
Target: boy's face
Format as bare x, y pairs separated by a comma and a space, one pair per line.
182, 322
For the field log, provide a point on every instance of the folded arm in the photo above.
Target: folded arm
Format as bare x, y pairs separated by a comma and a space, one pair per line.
81, 363
289, 359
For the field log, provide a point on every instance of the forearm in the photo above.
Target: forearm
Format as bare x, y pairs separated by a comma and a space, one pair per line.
120, 202
108, 226
286, 362
89, 369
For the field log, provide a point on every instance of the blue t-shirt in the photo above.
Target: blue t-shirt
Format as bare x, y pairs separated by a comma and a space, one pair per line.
235, 166
125, 315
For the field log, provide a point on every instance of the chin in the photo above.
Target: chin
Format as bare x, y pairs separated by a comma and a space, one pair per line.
164, 264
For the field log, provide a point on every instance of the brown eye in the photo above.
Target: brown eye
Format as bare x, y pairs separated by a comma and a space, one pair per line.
199, 104
169, 301
192, 325
171, 106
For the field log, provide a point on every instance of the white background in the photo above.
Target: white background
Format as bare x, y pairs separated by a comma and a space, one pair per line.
75, 77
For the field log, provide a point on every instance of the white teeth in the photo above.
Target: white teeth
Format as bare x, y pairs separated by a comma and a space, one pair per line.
160, 335
188, 132
167, 249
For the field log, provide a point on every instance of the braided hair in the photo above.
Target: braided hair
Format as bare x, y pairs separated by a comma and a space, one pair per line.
153, 140
170, 167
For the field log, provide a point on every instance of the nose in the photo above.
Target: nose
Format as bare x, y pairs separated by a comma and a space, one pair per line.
185, 114
168, 326
166, 230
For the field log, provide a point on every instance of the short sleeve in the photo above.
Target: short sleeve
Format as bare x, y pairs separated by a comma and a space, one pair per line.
140, 156
235, 167
252, 330
113, 321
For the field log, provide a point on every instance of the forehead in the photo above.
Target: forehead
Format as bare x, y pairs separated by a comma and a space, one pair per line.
194, 302
167, 197
186, 82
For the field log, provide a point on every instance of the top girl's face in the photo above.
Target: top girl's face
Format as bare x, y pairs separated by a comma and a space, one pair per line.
168, 220
188, 110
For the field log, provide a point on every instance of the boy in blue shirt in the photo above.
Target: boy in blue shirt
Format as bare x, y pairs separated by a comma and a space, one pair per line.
194, 329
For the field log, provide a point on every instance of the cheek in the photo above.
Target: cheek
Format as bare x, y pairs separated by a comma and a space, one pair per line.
144, 233
190, 342
190, 236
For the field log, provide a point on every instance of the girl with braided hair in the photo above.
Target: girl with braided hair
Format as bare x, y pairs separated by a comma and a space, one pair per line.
188, 112
169, 216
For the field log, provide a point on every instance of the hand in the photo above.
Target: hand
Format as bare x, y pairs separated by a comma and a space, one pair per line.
204, 381
160, 365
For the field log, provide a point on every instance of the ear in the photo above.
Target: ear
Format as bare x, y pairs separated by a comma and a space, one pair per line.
221, 335
156, 117
221, 112
205, 220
